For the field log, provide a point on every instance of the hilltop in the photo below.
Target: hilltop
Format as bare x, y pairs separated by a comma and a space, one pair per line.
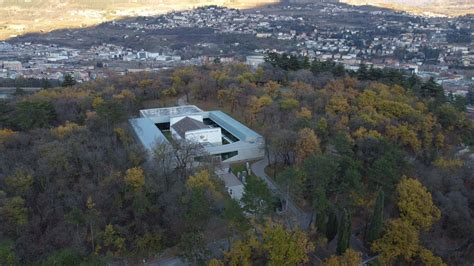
18, 17
423, 7
21, 17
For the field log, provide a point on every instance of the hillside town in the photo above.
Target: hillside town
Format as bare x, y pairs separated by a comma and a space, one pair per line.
441, 48
302, 132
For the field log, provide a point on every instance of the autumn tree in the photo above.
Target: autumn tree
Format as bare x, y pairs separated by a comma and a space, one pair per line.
428, 258
182, 77
241, 252
401, 237
349, 258
415, 204
399, 240
259, 105
201, 180
304, 113
215, 262
286, 247
308, 143
202, 192
112, 241
13, 213
20, 182
229, 96
135, 178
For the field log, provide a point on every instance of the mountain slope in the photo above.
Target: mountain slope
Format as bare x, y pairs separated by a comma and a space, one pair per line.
423, 7
22, 16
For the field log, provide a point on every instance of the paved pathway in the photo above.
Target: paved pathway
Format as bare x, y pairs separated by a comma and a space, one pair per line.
182, 101
304, 218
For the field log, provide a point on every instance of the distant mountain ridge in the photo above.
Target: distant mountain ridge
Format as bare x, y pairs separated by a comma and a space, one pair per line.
423, 7
18, 17
108, 3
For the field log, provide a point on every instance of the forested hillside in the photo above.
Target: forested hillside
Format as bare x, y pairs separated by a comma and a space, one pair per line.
375, 156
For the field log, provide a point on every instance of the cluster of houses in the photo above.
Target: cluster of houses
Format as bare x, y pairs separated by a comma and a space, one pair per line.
39, 61
391, 39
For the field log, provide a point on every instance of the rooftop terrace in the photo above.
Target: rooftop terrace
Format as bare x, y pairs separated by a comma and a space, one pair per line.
171, 111
148, 134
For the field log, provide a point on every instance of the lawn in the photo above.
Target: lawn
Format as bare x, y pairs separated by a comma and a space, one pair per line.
238, 167
167, 134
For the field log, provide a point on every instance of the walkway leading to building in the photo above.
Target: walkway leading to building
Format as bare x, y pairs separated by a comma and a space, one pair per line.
303, 218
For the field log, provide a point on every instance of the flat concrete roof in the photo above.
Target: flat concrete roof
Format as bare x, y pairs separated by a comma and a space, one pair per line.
171, 111
236, 128
147, 132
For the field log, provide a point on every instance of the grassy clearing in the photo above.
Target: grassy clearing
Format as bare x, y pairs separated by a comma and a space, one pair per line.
238, 167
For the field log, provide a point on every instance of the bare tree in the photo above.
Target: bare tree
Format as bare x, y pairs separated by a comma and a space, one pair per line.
185, 154
163, 158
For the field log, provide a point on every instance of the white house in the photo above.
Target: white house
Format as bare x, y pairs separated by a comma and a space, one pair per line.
192, 129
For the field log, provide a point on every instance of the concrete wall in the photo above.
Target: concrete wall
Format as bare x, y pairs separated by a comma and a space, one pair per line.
236, 192
211, 135
246, 151
174, 134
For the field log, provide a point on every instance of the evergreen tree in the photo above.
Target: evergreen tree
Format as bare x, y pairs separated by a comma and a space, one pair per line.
431, 89
344, 235
331, 227
414, 84
459, 102
293, 63
34, 114
45, 83
376, 223
68, 80
470, 96
272, 58
306, 64
257, 197
363, 72
321, 222
338, 70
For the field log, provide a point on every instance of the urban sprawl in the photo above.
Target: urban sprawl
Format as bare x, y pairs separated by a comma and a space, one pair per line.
441, 48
